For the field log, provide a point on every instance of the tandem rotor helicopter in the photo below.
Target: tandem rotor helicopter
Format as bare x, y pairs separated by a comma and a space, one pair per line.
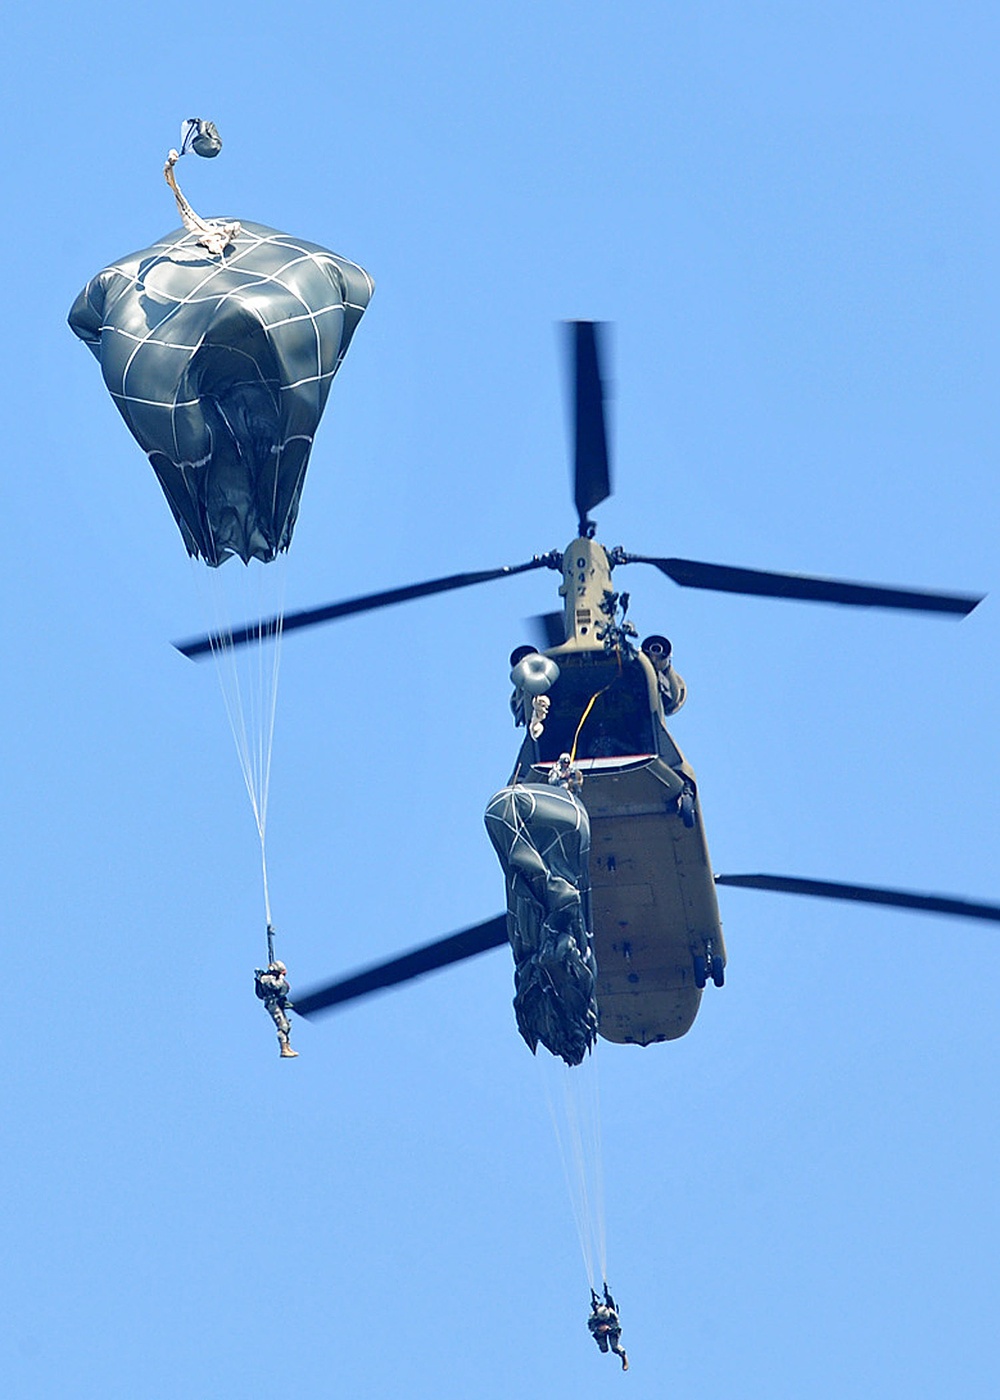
594, 701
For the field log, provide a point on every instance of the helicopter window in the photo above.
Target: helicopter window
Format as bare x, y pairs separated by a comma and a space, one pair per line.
619, 722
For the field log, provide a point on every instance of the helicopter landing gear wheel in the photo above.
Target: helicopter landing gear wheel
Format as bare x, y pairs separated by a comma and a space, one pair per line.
700, 971
685, 805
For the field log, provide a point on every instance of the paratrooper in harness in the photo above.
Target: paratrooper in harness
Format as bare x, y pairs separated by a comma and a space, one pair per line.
604, 1325
565, 773
272, 988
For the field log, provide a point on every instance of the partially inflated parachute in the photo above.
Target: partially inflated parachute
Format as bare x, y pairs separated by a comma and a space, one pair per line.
542, 837
219, 344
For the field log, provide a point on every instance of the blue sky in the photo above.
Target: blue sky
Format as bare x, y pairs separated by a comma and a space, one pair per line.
789, 212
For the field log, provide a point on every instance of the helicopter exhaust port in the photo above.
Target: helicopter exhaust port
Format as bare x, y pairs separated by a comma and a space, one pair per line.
658, 649
673, 691
519, 653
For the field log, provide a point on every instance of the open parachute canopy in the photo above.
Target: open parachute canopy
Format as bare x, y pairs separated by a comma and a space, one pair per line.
219, 344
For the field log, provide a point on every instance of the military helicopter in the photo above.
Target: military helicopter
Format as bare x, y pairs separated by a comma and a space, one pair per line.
657, 933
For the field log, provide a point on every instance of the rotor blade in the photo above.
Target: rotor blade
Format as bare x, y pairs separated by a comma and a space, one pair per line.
690, 573
591, 473
308, 617
866, 894
548, 629
459, 946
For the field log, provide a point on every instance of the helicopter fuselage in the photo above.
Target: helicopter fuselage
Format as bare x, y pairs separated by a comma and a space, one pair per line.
657, 931
597, 706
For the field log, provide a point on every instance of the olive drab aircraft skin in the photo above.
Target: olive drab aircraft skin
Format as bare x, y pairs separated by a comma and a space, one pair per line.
656, 926
595, 705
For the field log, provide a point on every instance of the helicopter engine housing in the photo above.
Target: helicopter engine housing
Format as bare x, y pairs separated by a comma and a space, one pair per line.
673, 691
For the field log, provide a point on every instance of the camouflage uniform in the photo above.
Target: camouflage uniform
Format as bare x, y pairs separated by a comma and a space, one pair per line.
565, 772
605, 1327
272, 988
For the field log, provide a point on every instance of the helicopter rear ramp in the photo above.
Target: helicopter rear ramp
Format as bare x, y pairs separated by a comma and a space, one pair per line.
654, 904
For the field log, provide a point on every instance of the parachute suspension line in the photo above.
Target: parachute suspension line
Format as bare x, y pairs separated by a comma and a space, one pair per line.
268, 659
583, 1094
248, 679
573, 1096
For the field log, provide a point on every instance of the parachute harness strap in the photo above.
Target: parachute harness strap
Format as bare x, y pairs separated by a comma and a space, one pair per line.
214, 234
